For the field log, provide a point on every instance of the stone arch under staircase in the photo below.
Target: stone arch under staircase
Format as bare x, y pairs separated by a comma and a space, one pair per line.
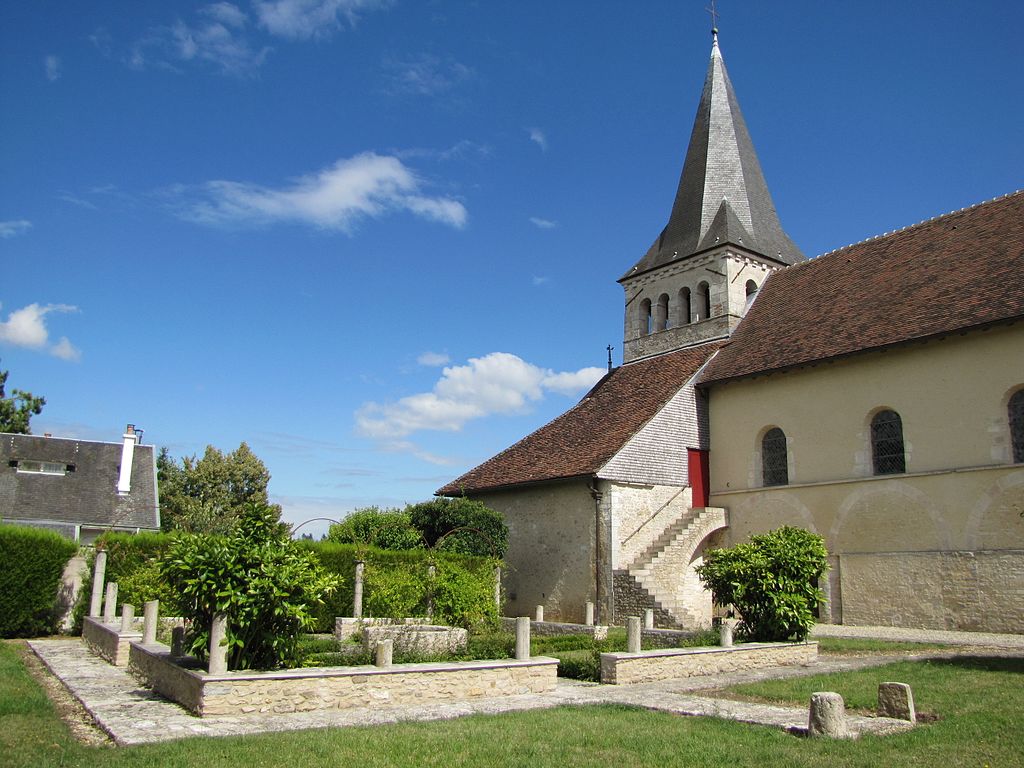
661, 577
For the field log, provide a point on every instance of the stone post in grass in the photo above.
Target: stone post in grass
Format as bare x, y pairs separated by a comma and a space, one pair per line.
827, 716
177, 642
150, 613
357, 600
649, 618
633, 634
218, 644
431, 576
497, 588
110, 603
540, 613
523, 637
588, 614
896, 700
385, 652
725, 632
127, 617
98, 574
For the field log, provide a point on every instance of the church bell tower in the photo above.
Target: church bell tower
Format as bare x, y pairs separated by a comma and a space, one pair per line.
722, 240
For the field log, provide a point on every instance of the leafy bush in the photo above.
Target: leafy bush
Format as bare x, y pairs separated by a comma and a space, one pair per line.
772, 581
30, 572
257, 576
461, 525
380, 528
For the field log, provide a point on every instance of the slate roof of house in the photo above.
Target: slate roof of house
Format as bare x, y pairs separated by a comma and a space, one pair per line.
955, 272
85, 496
722, 195
584, 438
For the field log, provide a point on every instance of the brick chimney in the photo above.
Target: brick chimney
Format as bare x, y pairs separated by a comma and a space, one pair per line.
124, 481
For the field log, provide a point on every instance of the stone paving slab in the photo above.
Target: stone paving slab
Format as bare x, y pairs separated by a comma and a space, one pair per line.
902, 634
131, 714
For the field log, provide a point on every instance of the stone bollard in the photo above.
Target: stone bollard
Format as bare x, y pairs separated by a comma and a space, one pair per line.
150, 613
127, 617
110, 603
539, 613
896, 700
589, 614
431, 575
725, 632
497, 588
177, 642
385, 652
218, 648
633, 634
523, 637
357, 600
98, 574
827, 716
649, 618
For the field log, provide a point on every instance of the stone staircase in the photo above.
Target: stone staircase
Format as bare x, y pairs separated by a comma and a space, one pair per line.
658, 571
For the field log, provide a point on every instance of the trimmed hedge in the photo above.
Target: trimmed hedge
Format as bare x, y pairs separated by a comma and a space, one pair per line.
396, 584
30, 573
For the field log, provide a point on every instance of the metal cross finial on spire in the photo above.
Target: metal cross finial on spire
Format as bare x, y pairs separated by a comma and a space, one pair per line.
714, 19
610, 348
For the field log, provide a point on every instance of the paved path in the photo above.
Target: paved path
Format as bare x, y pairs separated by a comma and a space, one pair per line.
940, 636
132, 714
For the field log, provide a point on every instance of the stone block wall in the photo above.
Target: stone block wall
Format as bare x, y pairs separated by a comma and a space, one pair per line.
979, 591
547, 628
107, 640
669, 664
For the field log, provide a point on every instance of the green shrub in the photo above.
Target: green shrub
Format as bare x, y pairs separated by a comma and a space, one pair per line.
461, 525
256, 575
580, 665
31, 566
380, 528
772, 581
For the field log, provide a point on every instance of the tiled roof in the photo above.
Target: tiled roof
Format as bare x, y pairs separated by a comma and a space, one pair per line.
85, 496
950, 273
722, 195
584, 438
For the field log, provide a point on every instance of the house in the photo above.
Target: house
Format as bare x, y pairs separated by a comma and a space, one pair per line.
873, 395
79, 488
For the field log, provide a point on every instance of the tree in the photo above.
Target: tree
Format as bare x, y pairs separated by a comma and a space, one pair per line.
461, 525
381, 528
771, 580
208, 495
16, 410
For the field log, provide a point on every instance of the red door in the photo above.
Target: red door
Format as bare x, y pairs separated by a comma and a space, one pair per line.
699, 480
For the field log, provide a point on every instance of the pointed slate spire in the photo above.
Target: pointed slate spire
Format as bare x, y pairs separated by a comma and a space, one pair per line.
722, 195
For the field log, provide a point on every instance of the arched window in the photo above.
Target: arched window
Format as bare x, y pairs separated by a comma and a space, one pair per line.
645, 317
751, 288
774, 462
703, 301
684, 307
1016, 413
661, 313
887, 452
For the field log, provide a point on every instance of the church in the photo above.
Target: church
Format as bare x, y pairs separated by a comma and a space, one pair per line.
873, 395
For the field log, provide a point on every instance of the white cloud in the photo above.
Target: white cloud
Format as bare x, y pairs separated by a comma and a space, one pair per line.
226, 13
543, 223
52, 66
337, 198
426, 75
538, 137
433, 359
302, 19
26, 327
540, 279
498, 383
13, 228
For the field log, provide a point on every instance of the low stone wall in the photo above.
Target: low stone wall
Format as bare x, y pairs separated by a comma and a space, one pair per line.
306, 690
107, 640
346, 627
557, 628
425, 639
669, 664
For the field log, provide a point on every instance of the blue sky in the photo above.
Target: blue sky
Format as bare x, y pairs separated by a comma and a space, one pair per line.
379, 241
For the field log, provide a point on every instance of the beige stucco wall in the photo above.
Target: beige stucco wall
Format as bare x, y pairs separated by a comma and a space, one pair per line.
550, 559
960, 493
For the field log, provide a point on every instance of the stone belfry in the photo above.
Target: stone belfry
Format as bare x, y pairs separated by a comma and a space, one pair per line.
722, 239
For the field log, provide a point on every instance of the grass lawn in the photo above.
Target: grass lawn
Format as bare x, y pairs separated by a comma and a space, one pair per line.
848, 646
979, 702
